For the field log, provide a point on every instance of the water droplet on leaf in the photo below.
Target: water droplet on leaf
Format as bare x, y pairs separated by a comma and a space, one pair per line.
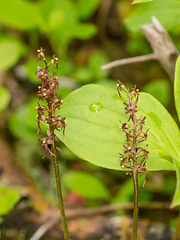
102, 95
95, 107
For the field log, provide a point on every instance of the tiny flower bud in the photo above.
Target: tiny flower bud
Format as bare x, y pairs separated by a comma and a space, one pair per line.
134, 92
134, 157
43, 118
41, 53
141, 120
125, 126
46, 92
121, 86
143, 135
52, 61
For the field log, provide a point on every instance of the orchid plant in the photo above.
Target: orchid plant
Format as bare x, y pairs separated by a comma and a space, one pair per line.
46, 114
135, 156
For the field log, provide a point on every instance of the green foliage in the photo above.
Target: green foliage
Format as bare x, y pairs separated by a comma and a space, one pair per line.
160, 89
80, 31
143, 13
83, 74
97, 59
23, 122
8, 198
62, 21
58, 13
126, 192
93, 71
86, 185
93, 130
169, 185
10, 52
85, 9
5, 98
31, 68
19, 14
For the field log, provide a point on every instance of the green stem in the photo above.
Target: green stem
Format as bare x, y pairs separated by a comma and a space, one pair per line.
59, 193
58, 178
136, 205
177, 230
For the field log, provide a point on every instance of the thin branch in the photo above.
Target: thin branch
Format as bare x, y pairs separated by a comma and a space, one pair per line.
44, 228
95, 211
162, 45
126, 61
115, 207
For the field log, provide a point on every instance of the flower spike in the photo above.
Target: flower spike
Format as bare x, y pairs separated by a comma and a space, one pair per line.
47, 93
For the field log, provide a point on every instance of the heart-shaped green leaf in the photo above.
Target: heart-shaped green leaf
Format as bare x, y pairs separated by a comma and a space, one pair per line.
86, 185
8, 198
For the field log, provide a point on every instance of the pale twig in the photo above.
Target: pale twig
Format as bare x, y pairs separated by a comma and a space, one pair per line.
95, 211
163, 48
126, 61
44, 228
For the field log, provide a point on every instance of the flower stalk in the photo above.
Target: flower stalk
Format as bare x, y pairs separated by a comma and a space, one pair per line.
47, 114
135, 153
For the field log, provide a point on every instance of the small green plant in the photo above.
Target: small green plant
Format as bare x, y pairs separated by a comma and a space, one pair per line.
86, 185
47, 114
9, 197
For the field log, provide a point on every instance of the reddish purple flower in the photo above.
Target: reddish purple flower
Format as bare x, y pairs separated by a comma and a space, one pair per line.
46, 142
40, 54
134, 156
47, 92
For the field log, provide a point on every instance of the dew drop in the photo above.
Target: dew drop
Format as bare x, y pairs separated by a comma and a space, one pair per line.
95, 107
102, 95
